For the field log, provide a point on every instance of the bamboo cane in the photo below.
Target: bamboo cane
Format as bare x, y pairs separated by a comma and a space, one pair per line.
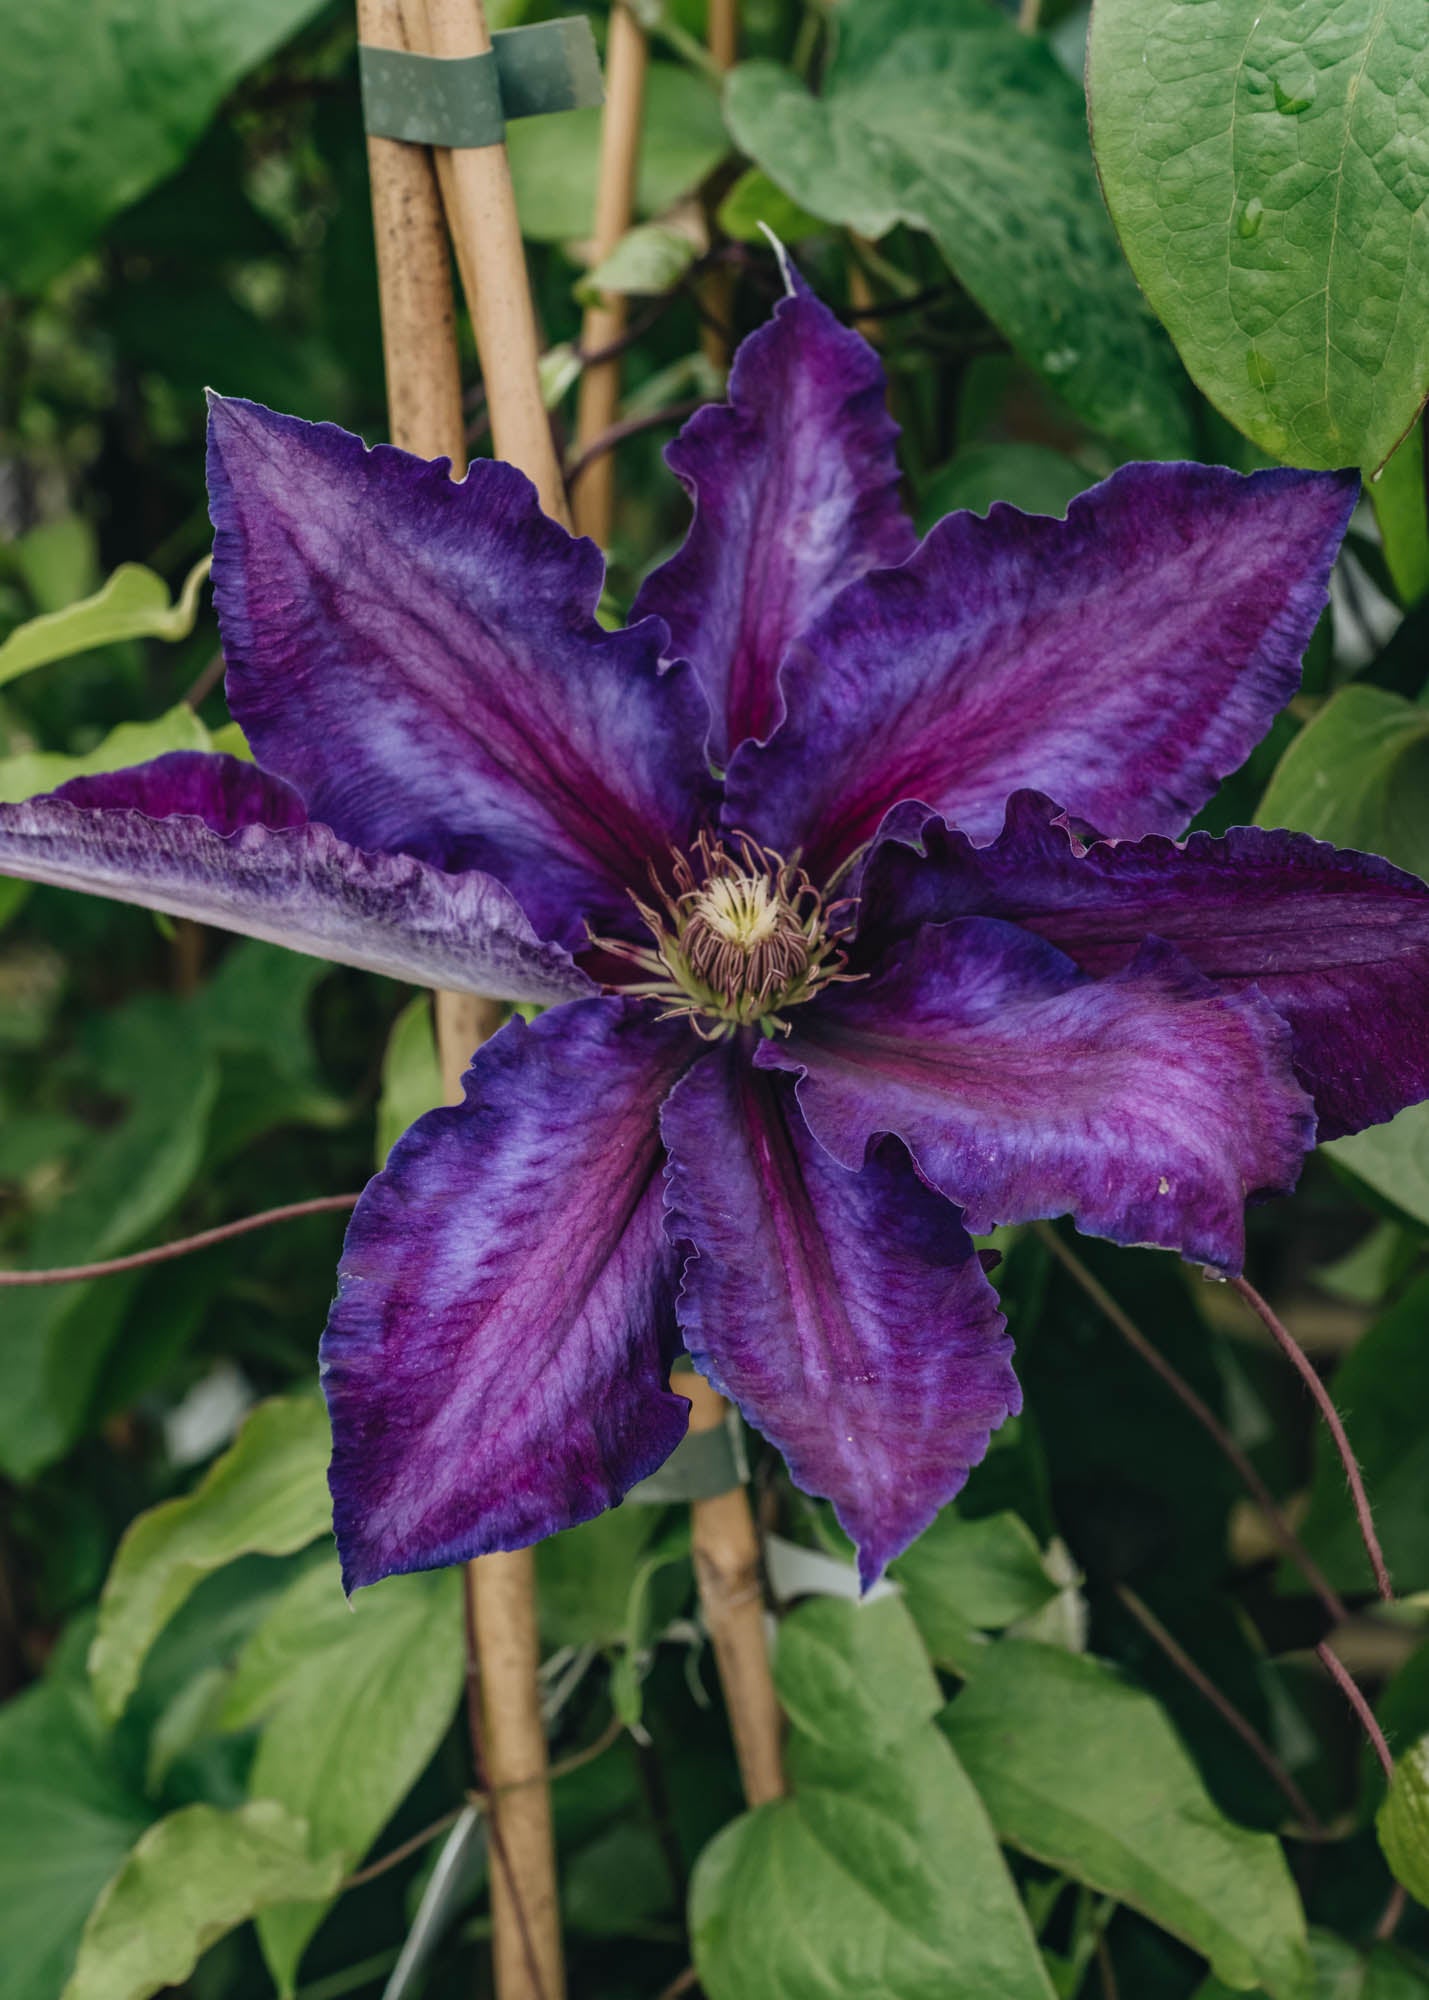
725, 1547
626, 57
485, 226
717, 288
413, 279
425, 411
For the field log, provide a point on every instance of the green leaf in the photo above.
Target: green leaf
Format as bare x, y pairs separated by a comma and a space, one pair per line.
585, 1575
1401, 509
1393, 1159
1358, 775
554, 160
880, 1875
66, 1823
985, 1574
1382, 1388
355, 1723
1342, 1974
1028, 476
191, 1879
649, 259
938, 114
1262, 160
266, 1495
133, 604
1085, 1773
126, 90
755, 204
411, 1074
1403, 1821
855, 1676
56, 1337
131, 743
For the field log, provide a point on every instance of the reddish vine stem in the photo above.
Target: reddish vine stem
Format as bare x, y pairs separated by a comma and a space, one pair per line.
629, 427
1328, 1596
1305, 1369
1345, 1681
1310, 1825
1206, 1417
1393, 1910
161, 1253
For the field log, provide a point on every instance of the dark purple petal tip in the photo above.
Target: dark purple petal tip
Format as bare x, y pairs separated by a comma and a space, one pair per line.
846, 1313
496, 1361
795, 485
1123, 660
1337, 942
1149, 1106
420, 657
219, 841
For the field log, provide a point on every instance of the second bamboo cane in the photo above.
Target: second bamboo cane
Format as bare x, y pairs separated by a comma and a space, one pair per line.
626, 57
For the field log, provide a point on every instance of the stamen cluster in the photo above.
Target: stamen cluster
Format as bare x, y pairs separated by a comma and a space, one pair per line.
741, 936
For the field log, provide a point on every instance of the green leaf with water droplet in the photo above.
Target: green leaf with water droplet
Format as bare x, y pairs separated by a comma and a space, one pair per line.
940, 115
1266, 163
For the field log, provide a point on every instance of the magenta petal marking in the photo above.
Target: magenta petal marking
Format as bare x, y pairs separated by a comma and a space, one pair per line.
1123, 661
847, 1314
214, 839
795, 485
496, 1360
1338, 942
1149, 1106
421, 660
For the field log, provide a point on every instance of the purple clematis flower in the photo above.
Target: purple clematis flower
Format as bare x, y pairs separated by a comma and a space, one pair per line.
802, 863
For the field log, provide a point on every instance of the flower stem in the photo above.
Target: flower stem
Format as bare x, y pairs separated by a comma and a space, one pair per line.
626, 60
160, 1253
1304, 1368
1345, 1681
1311, 1827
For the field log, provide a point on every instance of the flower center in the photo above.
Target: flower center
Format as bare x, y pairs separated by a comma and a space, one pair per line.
742, 936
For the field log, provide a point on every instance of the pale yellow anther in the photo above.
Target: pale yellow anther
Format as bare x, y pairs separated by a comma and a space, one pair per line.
742, 909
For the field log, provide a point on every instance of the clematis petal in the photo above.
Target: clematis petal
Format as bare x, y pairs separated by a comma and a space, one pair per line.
1149, 1106
1338, 942
496, 1360
795, 485
420, 658
1123, 660
847, 1314
216, 839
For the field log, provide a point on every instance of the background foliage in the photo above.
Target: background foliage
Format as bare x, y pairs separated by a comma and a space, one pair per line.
1007, 1786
